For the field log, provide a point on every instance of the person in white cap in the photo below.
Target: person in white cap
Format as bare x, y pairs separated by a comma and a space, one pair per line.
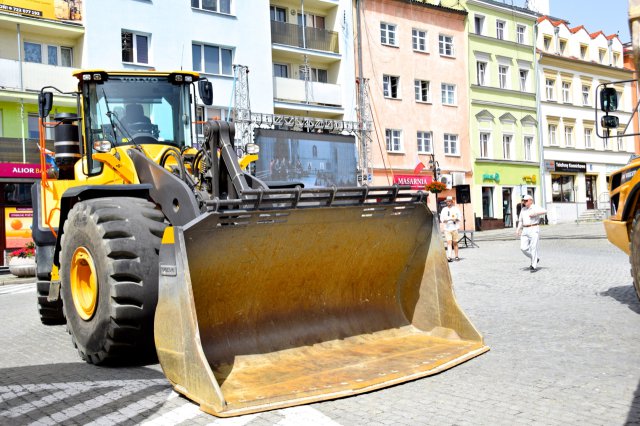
450, 216
529, 230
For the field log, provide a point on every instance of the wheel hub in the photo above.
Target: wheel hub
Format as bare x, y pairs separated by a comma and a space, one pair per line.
84, 283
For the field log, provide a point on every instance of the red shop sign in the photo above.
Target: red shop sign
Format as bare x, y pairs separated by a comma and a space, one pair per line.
416, 181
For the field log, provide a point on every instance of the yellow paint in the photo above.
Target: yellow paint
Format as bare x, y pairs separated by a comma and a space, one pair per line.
168, 237
84, 283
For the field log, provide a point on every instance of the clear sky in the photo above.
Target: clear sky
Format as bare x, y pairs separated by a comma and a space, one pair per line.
610, 16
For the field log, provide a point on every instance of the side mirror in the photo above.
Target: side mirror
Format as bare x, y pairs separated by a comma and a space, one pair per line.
45, 103
205, 88
609, 122
608, 99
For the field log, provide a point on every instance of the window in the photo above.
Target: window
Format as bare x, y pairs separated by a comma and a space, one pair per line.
394, 144
482, 73
584, 50
199, 120
278, 14
222, 6
616, 59
280, 70
500, 26
448, 93
419, 40
487, 202
566, 92
478, 21
422, 90
552, 134
484, 145
212, 59
585, 95
547, 42
506, 146
520, 33
620, 140
450, 144
390, 85
387, 34
568, 136
311, 21
135, 47
549, 84
33, 127
602, 53
587, 138
502, 76
562, 45
528, 148
562, 188
524, 80
445, 44
424, 143
605, 142
313, 74
49, 54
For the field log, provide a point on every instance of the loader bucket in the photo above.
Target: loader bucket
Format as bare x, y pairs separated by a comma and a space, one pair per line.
268, 309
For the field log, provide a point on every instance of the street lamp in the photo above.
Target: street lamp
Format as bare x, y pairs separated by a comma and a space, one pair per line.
435, 167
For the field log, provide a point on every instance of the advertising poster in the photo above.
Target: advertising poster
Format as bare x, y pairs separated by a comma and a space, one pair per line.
59, 10
17, 224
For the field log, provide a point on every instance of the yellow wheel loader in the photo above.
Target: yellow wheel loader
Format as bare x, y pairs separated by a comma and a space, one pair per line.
254, 296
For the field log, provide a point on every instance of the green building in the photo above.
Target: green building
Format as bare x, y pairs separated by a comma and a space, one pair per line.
503, 128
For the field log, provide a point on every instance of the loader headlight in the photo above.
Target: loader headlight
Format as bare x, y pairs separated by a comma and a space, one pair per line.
252, 148
102, 146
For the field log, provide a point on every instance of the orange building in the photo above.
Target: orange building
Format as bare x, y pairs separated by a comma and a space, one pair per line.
630, 64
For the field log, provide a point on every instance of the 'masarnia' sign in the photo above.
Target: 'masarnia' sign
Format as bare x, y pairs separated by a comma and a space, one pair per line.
415, 181
19, 170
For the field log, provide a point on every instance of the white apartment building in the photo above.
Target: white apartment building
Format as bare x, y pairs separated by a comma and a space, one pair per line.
572, 62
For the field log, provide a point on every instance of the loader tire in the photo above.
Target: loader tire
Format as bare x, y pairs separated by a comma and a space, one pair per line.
51, 313
634, 248
109, 274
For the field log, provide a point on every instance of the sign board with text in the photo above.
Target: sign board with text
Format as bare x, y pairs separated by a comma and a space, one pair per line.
415, 181
58, 10
17, 226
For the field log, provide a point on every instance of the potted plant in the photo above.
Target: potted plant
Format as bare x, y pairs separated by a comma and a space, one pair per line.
435, 187
22, 262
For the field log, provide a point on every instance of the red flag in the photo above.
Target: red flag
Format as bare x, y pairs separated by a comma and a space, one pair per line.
419, 167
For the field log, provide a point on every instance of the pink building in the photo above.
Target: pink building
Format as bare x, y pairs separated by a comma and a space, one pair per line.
415, 60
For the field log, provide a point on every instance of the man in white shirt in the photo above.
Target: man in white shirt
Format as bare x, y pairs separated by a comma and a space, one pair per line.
450, 216
529, 229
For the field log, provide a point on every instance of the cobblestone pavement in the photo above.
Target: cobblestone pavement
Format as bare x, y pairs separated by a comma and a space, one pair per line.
564, 350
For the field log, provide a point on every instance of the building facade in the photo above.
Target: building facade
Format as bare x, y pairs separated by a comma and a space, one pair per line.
414, 62
573, 63
503, 112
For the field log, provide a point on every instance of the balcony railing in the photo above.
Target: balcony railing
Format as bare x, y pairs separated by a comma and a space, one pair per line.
314, 38
35, 76
290, 89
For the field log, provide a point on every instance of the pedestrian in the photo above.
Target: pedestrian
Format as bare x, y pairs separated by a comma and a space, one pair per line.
450, 216
529, 230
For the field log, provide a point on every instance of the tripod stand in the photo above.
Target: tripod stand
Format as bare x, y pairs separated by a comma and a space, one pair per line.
466, 240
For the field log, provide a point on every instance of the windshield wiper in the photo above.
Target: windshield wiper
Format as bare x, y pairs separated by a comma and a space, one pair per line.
110, 115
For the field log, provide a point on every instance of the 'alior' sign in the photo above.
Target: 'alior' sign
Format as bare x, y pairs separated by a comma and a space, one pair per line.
19, 170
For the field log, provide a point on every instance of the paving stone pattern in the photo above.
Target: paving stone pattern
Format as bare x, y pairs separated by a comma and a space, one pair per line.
564, 341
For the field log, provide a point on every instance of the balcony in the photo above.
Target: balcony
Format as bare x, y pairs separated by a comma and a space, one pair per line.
314, 38
35, 76
292, 90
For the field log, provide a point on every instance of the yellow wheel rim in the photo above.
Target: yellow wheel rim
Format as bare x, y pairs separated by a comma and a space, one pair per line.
84, 283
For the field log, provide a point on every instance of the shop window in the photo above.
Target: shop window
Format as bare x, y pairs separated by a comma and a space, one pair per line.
487, 202
17, 193
33, 126
562, 188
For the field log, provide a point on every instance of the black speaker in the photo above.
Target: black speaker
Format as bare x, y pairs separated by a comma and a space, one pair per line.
463, 194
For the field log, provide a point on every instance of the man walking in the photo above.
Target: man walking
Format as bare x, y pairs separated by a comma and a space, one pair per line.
529, 229
450, 216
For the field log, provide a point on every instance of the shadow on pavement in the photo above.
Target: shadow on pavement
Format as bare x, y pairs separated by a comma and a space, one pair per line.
633, 418
624, 294
76, 392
